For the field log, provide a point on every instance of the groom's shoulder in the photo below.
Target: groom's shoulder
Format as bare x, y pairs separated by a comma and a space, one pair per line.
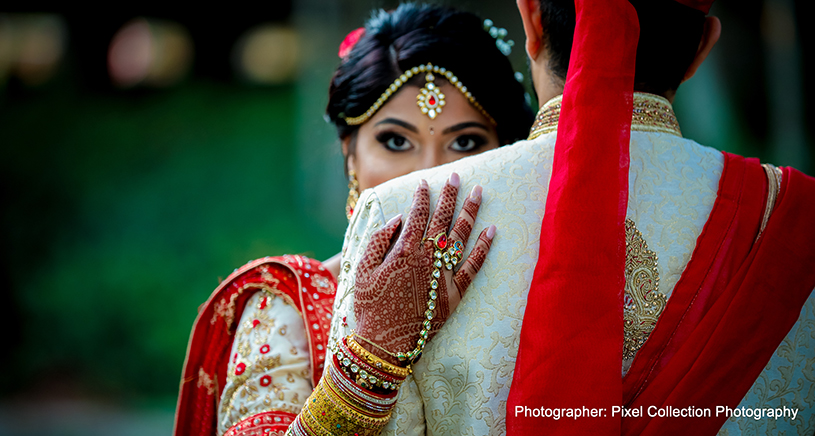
484, 168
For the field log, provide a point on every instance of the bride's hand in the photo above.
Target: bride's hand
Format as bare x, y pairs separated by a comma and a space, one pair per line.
393, 284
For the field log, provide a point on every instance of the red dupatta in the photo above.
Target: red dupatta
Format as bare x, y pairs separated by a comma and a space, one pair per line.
304, 283
735, 302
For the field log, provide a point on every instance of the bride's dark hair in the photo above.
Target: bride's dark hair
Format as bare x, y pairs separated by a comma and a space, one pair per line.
413, 35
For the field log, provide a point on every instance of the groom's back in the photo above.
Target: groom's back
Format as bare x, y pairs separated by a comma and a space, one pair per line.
462, 381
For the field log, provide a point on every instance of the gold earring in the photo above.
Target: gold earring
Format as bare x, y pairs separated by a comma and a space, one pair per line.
353, 193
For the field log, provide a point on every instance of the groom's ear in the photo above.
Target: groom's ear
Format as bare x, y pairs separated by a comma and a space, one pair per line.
533, 28
711, 34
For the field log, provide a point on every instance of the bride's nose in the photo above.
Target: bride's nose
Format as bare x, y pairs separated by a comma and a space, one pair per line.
431, 157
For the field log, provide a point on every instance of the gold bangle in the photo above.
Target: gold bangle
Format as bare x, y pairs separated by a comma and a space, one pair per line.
375, 361
345, 381
365, 374
327, 413
353, 333
354, 400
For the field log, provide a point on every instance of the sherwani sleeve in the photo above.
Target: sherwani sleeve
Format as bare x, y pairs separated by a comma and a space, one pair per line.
408, 416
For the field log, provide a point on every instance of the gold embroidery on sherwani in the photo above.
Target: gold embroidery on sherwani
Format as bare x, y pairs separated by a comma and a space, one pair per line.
643, 303
651, 113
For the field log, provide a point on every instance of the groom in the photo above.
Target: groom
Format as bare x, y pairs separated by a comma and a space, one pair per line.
719, 250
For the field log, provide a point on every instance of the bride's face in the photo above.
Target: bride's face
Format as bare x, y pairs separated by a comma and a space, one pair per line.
400, 139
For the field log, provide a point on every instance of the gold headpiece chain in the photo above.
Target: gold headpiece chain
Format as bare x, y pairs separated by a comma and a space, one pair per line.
430, 99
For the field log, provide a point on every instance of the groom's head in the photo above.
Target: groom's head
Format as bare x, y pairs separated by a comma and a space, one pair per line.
674, 41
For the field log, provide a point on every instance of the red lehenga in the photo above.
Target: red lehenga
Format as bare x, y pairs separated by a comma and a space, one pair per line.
302, 283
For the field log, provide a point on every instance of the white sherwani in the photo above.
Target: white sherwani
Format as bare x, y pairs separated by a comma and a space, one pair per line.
460, 385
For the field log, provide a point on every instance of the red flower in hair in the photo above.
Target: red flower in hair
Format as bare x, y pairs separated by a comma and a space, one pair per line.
350, 41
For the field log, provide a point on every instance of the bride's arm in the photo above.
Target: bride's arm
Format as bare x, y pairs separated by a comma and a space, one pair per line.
253, 346
392, 275
268, 375
359, 387
333, 264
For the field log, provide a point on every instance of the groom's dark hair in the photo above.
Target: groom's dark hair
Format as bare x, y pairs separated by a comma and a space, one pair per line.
669, 39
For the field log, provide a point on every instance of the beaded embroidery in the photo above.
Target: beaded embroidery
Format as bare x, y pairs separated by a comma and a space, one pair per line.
651, 113
643, 303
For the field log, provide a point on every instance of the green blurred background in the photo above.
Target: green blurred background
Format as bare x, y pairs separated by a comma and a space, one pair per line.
126, 199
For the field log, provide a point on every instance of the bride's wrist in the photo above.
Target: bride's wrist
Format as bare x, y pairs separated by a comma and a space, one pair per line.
379, 350
380, 354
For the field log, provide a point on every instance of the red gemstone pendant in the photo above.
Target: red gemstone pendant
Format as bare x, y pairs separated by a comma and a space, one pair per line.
432, 100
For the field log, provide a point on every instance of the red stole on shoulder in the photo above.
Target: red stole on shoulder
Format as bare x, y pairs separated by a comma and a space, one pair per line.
571, 344
737, 299
735, 302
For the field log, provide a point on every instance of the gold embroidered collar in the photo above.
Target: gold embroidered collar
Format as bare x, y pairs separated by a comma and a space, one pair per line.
652, 113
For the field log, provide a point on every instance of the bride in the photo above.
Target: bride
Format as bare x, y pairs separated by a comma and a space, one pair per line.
417, 87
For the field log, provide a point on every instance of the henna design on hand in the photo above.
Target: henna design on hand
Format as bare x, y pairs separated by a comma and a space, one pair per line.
464, 224
465, 275
443, 214
391, 294
386, 306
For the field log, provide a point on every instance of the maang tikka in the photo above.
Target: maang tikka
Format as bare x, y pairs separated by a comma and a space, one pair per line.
430, 98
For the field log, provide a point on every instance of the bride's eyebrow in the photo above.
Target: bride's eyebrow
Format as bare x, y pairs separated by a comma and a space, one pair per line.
462, 126
401, 123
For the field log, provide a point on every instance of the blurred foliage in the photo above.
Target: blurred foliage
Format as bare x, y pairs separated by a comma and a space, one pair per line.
120, 213
122, 209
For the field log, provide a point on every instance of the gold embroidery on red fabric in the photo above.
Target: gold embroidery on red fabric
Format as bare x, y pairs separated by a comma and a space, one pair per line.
267, 276
226, 310
263, 423
205, 381
322, 284
643, 303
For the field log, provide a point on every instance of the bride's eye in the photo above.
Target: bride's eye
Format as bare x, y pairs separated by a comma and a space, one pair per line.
468, 143
393, 141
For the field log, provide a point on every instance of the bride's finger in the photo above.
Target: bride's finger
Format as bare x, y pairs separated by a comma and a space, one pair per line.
379, 244
466, 218
465, 275
416, 221
445, 207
